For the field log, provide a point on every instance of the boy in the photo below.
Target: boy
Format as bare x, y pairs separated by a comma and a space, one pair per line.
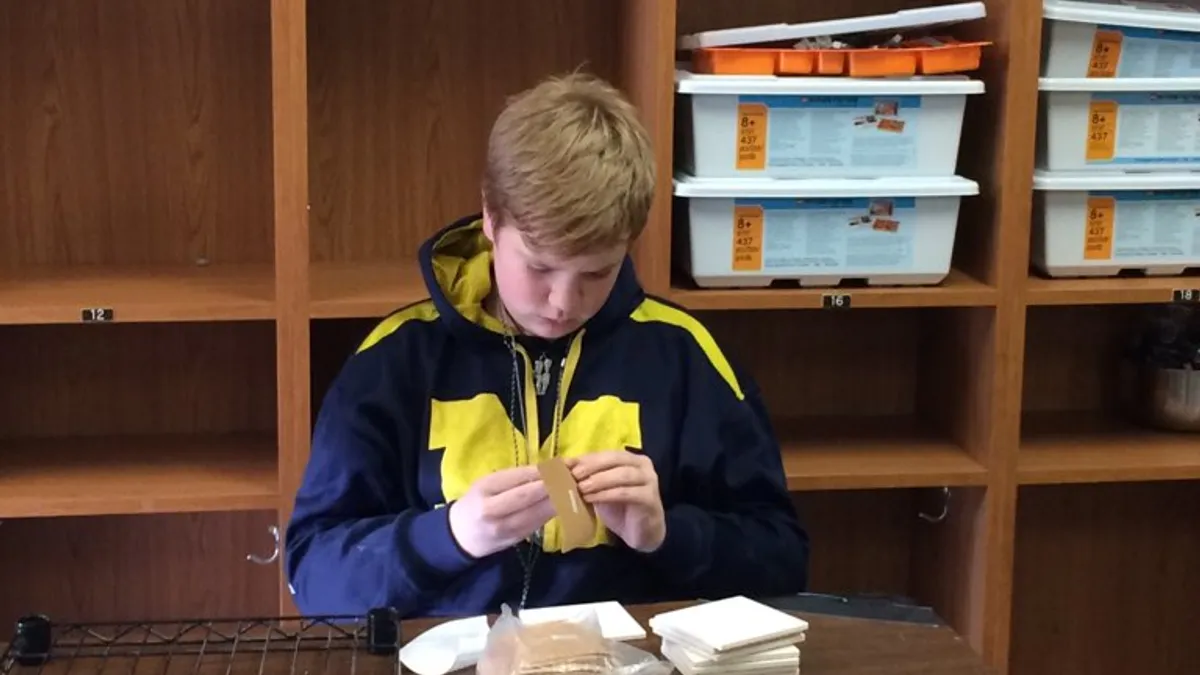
537, 341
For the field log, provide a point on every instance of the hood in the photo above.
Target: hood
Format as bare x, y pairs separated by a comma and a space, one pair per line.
456, 264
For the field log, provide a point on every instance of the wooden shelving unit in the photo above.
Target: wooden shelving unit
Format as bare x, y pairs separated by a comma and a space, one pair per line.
58, 293
342, 290
884, 462
1106, 291
139, 474
1095, 448
958, 290
225, 195
140, 455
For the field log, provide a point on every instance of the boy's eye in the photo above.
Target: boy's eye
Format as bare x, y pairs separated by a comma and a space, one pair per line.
539, 270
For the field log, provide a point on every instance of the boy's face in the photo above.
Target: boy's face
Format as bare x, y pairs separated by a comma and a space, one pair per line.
550, 296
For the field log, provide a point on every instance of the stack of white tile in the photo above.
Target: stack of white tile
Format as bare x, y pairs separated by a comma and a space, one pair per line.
735, 635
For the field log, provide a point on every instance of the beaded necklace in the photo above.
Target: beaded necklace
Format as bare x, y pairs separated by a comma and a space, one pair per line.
529, 549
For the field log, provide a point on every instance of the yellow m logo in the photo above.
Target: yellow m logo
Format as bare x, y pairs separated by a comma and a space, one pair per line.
477, 439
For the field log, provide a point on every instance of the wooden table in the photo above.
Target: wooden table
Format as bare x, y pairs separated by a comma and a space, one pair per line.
846, 646
834, 646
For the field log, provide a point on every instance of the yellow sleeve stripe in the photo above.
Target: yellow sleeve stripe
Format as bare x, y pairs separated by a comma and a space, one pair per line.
422, 311
653, 310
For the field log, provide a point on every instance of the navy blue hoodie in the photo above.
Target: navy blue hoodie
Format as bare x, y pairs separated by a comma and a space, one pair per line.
422, 409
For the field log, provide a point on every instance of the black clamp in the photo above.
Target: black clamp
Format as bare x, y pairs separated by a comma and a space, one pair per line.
33, 639
383, 631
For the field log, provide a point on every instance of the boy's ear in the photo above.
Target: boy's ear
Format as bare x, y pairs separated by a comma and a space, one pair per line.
489, 228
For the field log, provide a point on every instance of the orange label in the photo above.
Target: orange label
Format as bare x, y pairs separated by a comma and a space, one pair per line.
1102, 130
1106, 54
747, 238
1098, 234
752, 137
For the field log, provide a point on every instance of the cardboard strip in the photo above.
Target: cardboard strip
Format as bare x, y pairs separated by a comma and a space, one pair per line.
577, 518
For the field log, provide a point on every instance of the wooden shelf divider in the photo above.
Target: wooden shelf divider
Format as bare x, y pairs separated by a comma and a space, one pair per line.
849, 453
1073, 448
345, 290
112, 475
45, 294
1108, 290
958, 290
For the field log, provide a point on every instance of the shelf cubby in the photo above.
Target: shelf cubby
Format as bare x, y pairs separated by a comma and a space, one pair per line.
401, 98
1105, 579
177, 566
1076, 427
912, 545
137, 166
863, 400
131, 418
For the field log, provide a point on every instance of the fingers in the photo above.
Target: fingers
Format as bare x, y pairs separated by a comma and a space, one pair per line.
620, 476
519, 525
622, 495
593, 463
515, 500
537, 515
503, 481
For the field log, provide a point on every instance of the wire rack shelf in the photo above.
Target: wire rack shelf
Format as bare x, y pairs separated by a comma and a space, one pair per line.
324, 645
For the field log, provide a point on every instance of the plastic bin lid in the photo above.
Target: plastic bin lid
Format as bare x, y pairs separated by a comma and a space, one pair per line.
1053, 181
894, 21
810, 188
687, 82
1182, 16
1120, 84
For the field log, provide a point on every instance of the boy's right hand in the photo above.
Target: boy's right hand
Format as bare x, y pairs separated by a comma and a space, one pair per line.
500, 510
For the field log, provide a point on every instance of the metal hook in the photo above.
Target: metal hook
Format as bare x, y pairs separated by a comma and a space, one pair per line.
945, 509
274, 530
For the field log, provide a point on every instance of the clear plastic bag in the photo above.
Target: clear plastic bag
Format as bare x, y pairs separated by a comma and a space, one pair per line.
565, 646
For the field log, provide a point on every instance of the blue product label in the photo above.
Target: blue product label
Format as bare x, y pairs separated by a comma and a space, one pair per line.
858, 233
1145, 226
1143, 128
839, 131
1150, 52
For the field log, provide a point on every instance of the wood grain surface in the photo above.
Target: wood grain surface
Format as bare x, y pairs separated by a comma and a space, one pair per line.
135, 132
137, 568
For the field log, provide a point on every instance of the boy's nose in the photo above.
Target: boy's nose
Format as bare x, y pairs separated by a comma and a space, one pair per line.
558, 311
562, 299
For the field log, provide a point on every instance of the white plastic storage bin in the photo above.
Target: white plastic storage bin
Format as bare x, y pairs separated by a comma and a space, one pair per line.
899, 21
888, 231
1131, 124
1121, 38
1089, 225
826, 127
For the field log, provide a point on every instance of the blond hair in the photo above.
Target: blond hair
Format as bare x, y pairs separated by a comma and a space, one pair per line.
570, 166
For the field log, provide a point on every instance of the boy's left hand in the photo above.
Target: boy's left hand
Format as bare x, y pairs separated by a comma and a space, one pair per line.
623, 487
